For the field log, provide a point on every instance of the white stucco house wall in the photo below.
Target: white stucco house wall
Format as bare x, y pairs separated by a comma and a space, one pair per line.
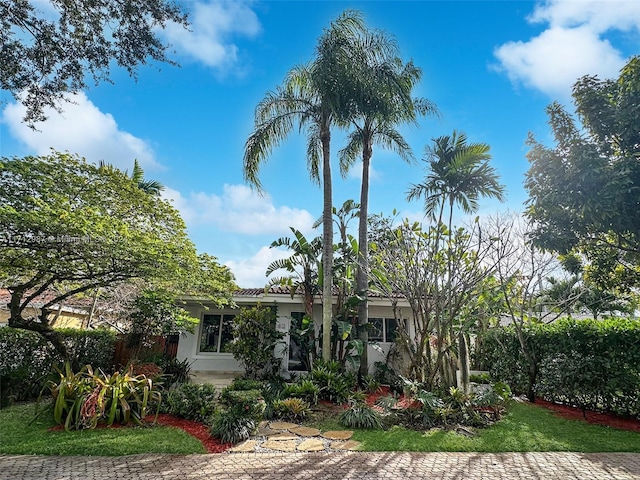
205, 349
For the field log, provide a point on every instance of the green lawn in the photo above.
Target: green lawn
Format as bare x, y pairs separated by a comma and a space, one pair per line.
19, 436
525, 428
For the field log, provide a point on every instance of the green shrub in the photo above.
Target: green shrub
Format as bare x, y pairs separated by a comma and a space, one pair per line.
242, 411
589, 364
291, 409
230, 427
192, 401
27, 359
371, 383
360, 415
249, 403
483, 378
246, 384
83, 399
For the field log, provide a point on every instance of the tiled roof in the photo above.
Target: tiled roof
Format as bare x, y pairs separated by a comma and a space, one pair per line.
43, 298
282, 290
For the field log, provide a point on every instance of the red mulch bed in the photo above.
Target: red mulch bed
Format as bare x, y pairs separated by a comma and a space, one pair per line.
197, 430
597, 418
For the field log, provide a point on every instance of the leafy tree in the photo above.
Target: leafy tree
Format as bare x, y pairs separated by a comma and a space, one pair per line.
156, 312
459, 174
521, 270
50, 49
583, 191
382, 87
310, 98
152, 187
67, 223
440, 276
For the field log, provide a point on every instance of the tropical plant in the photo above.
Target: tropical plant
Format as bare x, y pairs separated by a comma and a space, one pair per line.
231, 427
334, 383
255, 339
422, 264
360, 415
176, 372
305, 389
292, 409
83, 399
302, 266
241, 412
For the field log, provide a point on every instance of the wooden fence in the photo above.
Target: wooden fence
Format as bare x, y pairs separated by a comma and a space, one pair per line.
166, 346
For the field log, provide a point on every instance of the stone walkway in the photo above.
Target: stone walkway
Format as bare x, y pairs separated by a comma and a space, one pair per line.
291, 437
327, 466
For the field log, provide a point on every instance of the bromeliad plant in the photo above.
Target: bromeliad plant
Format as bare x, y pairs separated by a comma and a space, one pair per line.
85, 398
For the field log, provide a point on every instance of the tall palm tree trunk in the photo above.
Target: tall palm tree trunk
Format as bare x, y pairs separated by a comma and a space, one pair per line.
327, 245
362, 274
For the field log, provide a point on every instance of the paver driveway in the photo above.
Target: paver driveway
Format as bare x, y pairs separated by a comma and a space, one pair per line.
327, 466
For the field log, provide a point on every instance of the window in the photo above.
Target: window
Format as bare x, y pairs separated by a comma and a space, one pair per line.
382, 329
217, 333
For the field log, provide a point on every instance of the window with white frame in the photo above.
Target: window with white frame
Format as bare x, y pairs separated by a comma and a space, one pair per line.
382, 330
216, 333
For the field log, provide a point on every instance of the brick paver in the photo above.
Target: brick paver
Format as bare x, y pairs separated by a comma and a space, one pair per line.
327, 466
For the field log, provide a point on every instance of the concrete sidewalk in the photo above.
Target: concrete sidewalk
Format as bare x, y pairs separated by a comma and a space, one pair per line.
327, 466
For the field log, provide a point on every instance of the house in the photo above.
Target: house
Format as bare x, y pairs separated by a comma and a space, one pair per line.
74, 313
205, 349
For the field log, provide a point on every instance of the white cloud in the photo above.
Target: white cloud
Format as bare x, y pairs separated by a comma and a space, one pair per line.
83, 129
572, 46
600, 15
250, 272
239, 210
213, 25
355, 172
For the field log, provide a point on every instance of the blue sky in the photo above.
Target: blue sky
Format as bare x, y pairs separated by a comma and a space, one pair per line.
491, 67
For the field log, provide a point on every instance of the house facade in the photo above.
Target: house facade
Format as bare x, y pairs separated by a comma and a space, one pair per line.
206, 349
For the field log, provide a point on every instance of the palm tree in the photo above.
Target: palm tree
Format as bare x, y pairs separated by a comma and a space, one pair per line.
152, 187
384, 100
310, 98
459, 175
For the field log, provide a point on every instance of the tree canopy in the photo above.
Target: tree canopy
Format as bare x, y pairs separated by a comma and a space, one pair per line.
585, 190
67, 223
50, 49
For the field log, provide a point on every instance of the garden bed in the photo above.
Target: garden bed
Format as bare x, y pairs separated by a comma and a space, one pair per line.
597, 418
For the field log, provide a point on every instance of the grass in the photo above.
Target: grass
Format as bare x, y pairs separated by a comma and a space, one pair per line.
525, 428
19, 436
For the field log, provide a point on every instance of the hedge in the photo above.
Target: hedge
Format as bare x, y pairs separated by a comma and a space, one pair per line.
589, 364
27, 359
